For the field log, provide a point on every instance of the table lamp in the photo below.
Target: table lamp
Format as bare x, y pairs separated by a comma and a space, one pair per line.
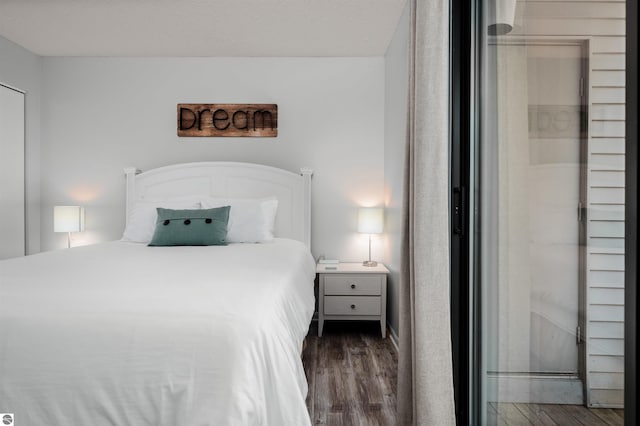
370, 221
68, 219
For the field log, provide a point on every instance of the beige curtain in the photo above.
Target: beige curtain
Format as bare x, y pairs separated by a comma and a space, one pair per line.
425, 376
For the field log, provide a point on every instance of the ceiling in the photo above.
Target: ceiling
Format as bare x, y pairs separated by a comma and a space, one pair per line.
201, 27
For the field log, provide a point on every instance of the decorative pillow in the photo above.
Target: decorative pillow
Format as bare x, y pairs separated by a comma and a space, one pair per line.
203, 227
142, 221
251, 220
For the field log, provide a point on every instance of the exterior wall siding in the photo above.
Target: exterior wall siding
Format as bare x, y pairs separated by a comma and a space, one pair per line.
602, 23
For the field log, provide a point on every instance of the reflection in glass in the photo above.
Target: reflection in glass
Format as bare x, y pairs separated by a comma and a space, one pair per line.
550, 190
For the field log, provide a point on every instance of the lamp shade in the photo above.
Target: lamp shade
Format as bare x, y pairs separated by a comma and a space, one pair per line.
503, 16
370, 220
68, 219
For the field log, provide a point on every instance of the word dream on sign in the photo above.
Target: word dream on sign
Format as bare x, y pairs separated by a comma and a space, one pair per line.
223, 120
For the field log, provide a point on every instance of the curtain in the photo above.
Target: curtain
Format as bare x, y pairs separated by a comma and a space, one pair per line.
425, 373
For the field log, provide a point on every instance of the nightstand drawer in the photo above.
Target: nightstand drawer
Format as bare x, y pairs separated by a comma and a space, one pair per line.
351, 305
351, 284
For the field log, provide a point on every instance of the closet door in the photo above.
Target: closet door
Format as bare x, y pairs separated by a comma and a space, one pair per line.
12, 228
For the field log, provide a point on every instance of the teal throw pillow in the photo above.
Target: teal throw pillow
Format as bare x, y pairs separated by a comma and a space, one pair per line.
203, 227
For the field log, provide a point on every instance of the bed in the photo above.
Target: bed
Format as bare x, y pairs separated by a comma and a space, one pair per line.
120, 333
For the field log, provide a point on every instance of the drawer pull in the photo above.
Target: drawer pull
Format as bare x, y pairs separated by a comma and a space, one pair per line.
353, 306
353, 286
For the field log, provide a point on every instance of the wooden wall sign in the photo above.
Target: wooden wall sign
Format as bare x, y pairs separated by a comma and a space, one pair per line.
221, 120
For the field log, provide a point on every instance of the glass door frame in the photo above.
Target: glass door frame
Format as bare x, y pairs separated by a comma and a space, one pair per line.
631, 217
460, 160
465, 306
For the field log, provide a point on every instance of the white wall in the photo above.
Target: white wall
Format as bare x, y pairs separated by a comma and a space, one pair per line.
22, 69
395, 138
103, 114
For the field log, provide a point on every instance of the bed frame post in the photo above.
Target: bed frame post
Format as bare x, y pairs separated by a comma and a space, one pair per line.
306, 173
130, 174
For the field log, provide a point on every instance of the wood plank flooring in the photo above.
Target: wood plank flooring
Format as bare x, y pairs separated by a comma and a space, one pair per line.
552, 415
352, 375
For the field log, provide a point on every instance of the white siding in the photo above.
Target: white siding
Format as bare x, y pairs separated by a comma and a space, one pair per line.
603, 23
605, 199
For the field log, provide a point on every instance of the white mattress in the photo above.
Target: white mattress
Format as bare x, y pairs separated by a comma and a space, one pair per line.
124, 334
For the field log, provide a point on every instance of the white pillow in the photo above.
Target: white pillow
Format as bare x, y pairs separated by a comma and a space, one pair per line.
142, 221
251, 220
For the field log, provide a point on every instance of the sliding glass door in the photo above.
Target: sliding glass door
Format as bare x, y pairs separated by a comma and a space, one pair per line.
548, 203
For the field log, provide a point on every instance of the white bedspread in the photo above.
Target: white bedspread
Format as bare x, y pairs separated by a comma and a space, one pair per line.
123, 334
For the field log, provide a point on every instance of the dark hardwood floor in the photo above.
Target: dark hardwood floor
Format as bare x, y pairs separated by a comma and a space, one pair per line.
352, 375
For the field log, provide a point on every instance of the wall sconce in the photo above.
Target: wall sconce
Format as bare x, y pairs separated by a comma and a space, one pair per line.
370, 221
68, 219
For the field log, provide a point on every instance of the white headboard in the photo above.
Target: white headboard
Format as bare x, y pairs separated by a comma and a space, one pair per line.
232, 180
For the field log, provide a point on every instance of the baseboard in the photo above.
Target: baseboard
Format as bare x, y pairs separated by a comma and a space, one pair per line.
535, 389
393, 336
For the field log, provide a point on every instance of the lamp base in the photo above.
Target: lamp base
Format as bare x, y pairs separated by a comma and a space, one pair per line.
369, 263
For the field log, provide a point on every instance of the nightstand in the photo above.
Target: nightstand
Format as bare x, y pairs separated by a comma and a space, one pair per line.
352, 292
